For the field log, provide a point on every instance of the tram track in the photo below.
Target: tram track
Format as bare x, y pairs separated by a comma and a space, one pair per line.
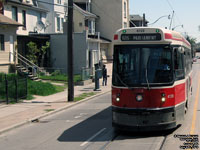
109, 142
116, 135
163, 142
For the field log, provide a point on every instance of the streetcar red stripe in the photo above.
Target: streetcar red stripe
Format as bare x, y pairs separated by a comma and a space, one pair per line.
169, 36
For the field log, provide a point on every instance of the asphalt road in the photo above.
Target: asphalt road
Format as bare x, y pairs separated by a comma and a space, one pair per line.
87, 126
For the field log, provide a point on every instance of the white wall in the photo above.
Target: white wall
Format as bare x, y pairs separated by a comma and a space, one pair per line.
54, 12
31, 19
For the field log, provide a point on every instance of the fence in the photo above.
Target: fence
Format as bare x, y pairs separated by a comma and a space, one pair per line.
85, 74
12, 88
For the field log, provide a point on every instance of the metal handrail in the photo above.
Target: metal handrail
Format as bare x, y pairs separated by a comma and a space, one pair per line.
28, 63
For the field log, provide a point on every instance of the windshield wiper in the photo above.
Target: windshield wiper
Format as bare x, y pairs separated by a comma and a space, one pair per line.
146, 74
122, 81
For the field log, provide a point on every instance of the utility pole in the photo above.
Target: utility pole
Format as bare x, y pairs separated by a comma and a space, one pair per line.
70, 52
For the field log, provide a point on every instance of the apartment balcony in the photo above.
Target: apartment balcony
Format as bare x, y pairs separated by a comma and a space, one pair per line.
93, 35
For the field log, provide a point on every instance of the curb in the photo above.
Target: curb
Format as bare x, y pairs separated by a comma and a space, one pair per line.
36, 119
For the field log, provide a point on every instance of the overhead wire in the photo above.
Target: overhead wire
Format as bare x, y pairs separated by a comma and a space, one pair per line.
170, 5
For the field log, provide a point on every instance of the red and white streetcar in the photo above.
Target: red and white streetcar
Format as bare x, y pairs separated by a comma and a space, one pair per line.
152, 75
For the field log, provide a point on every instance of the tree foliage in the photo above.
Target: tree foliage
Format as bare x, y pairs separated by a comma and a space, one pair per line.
35, 53
191, 40
43, 51
32, 52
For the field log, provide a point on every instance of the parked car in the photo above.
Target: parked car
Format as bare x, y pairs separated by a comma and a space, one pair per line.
197, 57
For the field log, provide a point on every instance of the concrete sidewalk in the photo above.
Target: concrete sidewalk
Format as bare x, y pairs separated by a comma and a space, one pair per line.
15, 115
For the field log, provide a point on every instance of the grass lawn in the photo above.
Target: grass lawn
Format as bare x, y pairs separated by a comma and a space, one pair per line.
60, 77
38, 87
43, 88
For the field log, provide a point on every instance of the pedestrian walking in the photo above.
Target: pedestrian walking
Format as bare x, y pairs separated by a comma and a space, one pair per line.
104, 75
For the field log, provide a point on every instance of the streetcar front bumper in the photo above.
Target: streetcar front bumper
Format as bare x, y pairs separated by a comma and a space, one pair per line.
147, 119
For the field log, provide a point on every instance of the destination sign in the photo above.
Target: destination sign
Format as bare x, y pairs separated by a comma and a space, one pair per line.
141, 37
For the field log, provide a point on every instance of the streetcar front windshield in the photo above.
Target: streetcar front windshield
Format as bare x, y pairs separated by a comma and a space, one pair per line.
142, 65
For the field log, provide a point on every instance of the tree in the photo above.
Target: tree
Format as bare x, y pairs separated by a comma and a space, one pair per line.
43, 51
32, 52
191, 40
193, 43
36, 55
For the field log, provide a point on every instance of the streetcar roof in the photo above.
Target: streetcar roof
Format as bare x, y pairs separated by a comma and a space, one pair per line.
167, 36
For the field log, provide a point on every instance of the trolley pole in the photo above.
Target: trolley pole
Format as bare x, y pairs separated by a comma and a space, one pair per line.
171, 20
70, 52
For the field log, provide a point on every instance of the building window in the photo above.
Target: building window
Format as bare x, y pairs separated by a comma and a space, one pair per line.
125, 10
58, 23
62, 21
91, 26
80, 24
24, 18
59, 1
14, 13
39, 17
1, 42
35, 3
125, 25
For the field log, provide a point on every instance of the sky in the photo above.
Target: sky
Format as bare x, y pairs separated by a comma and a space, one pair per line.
187, 13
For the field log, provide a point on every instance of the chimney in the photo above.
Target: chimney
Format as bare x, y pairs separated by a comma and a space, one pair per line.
144, 20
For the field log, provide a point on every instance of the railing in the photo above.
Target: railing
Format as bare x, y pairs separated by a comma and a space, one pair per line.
94, 35
27, 64
85, 73
12, 88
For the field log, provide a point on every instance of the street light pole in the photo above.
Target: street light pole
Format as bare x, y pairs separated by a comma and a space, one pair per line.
70, 52
177, 26
159, 19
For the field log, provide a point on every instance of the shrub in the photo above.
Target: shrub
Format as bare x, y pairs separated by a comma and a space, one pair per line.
40, 88
55, 73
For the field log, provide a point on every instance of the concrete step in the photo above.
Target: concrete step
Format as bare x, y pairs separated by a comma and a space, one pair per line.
34, 78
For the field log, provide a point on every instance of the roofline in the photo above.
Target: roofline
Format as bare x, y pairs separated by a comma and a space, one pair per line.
28, 6
8, 21
83, 11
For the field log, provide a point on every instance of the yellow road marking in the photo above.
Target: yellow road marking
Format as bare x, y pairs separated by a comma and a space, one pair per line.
195, 109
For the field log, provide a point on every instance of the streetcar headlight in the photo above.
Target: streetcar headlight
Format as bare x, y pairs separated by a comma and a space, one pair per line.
139, 98
163, 99
117, 99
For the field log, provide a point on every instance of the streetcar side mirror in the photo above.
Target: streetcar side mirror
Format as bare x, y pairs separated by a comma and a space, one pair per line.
181, 49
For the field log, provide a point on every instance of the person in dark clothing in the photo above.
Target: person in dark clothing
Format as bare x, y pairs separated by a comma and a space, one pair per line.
104, 75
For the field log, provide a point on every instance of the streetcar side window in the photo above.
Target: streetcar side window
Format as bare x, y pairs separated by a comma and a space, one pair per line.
178, 65
188, 62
